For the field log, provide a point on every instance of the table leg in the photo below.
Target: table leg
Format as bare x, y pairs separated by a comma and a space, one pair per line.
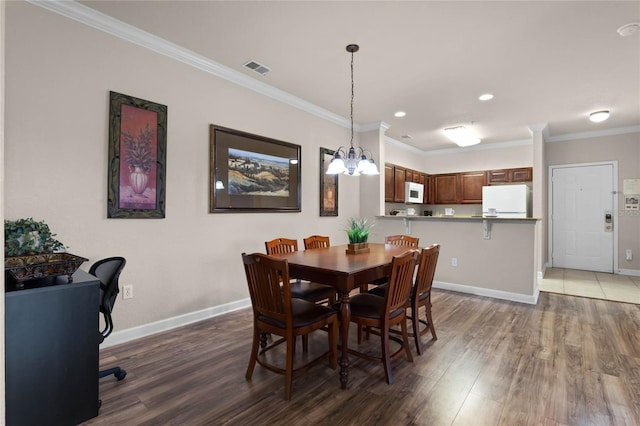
345, 319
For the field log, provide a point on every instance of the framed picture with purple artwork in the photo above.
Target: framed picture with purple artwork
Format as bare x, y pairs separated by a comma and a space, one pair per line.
251, 173
328, 185
137, 158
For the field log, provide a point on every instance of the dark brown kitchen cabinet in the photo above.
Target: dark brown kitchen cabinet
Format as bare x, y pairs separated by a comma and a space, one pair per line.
470, 185
445, 188
389, 185
524, 174
399, 177
498, 176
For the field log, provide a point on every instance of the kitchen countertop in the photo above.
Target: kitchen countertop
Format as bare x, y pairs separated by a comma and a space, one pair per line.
458, 217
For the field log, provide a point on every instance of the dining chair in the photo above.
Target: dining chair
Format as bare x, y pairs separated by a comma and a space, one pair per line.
275, 311
396, 240
306, 290
316, 241
378, 314
420, 295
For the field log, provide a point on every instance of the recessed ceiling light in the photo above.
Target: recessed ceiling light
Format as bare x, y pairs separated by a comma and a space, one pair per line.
599, 116
400, 114
485, 97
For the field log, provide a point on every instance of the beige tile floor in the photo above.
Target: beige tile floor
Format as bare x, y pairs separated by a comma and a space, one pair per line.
597, 285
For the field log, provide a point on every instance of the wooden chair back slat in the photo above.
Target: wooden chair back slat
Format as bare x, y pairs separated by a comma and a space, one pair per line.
426, 269
316, 241
400, 280
402, 240
281, 246
269, 288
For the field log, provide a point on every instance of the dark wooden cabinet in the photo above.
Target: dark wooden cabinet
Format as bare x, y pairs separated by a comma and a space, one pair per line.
470, 185
389, 186
498, 176
523, 174
449, 188
51, 350
445, 189
399, 178
395, 178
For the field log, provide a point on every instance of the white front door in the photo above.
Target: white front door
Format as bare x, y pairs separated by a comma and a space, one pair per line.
582, 201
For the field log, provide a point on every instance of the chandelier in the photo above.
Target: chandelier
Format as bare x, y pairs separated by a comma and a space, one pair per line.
353, 162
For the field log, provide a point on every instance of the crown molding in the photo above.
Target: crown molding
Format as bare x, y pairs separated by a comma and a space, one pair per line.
368, 127
95, 19
594, 134
458, 150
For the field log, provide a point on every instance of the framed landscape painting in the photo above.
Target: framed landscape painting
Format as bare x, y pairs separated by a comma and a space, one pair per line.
251, 173
137, 158
328, 185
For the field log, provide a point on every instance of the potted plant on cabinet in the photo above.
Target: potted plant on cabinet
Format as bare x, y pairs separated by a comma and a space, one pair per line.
31, 252
358, 232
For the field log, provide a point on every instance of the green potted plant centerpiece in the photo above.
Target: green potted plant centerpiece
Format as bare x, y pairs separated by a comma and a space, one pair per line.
358, 232
31, 251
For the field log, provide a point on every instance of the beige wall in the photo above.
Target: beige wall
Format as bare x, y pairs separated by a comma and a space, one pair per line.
59, 74
460, 160
625, 149
510, 250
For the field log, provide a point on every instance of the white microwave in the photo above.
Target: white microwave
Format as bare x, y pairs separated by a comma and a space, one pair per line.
413, 192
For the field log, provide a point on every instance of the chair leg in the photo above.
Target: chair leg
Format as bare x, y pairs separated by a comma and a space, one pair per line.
405, 339
289, 368
257, 338
430, 321
333, 344
305, 343
117, 372
386, 361
415, 321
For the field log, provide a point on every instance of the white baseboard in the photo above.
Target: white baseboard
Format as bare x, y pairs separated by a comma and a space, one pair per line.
631, 272
496, 294
123, 336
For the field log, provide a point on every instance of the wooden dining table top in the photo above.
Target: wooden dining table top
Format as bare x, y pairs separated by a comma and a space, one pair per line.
333, 266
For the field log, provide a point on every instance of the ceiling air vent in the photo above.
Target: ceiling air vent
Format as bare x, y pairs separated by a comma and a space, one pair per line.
254, 66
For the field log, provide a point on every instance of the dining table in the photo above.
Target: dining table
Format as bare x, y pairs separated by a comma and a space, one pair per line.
345, 272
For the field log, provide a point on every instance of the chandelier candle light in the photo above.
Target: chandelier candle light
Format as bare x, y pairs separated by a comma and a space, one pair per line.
355, 161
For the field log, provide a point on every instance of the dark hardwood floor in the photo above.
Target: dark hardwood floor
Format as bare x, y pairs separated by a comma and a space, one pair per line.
566, 361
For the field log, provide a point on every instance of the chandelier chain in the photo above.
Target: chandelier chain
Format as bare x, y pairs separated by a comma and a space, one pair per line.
352, 96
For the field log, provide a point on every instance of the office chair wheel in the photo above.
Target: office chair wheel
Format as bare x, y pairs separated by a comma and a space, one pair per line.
120, 375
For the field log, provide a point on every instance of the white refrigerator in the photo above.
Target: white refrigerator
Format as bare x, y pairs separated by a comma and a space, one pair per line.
507, 200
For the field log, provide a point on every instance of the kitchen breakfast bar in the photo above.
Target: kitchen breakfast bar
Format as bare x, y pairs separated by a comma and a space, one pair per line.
485, 256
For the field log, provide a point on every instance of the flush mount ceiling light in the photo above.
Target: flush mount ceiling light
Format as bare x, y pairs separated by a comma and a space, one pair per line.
485, 97
400, 114
355, 161
629, 29
599, 116
461, 136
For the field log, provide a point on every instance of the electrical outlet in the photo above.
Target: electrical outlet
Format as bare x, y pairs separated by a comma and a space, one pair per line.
629, 254
127, 292
454, 261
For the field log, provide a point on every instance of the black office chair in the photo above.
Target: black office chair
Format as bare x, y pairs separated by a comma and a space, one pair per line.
108, 271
